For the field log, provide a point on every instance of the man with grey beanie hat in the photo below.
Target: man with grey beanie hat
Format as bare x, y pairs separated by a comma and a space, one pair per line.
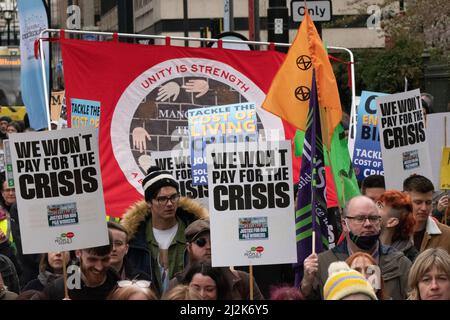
156, 227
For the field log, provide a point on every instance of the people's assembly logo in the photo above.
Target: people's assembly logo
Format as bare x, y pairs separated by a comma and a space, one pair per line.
254, 252
65, 238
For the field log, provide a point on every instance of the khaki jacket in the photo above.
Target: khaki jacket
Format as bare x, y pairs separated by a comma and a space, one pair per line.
436, 235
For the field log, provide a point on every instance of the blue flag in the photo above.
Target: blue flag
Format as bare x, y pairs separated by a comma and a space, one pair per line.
32, 20
311, 211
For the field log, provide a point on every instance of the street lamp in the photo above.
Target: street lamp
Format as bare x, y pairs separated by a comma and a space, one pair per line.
7, 12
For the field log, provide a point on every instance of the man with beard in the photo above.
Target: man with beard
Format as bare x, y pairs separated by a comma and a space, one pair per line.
362, 225
97, 278
428, 233
198, 249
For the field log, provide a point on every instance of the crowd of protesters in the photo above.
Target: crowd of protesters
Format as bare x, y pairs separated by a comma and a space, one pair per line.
394, 245
392, 248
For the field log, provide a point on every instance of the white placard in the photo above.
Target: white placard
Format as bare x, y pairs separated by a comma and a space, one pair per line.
436, 133
403, 137
59, 190
178, 163
251, 203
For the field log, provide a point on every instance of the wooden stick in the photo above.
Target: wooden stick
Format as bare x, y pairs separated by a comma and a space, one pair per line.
250, 269
313, 242
66, 291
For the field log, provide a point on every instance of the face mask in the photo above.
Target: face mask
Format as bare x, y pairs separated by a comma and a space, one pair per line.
364, 242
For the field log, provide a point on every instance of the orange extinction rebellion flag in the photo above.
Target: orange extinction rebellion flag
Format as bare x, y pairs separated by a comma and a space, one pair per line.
289, 92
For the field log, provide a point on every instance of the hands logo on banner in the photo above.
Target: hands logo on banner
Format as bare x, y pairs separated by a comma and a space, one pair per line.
168, 103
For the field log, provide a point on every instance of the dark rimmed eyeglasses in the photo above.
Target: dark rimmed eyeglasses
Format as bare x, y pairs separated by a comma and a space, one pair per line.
362, 219
162, 201
139, 283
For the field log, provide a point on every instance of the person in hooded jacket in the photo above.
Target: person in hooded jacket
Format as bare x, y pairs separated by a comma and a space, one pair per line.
156, 227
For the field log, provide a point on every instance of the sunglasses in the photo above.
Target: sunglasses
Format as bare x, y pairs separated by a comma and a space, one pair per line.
201, 242
139, 283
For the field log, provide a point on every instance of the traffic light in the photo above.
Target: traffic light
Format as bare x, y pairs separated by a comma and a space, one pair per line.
216, 26
278, 23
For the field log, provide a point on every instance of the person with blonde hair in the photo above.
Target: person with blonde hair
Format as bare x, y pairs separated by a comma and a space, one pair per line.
181, 292
132, 290
429, 277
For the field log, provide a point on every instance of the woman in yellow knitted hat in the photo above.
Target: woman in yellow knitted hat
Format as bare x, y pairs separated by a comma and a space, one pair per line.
344, 283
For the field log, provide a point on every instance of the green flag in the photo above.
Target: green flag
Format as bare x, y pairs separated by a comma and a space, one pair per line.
343, 173
341, 165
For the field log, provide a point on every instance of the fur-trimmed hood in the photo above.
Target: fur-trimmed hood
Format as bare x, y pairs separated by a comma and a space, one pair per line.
138, 213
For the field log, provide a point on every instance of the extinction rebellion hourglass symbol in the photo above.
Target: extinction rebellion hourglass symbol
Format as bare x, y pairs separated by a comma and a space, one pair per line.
304, 63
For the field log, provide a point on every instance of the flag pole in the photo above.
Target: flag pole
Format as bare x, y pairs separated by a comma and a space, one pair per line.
313, 242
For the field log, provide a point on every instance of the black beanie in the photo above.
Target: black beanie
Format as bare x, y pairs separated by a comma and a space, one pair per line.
155, 180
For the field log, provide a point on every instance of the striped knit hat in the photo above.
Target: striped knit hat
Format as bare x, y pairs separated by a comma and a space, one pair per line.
343, 281
155, 180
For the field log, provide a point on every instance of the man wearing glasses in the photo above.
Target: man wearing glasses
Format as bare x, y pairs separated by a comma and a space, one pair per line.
119, 258
362, 225
156, 227
198, 249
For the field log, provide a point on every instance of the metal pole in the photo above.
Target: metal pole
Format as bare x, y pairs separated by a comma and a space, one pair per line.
251, 20
125, 16
279, 44
44, 78
185, 22
9, 23
231, 15
256, 19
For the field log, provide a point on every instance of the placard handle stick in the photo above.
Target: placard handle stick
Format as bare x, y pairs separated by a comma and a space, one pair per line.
250, 269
